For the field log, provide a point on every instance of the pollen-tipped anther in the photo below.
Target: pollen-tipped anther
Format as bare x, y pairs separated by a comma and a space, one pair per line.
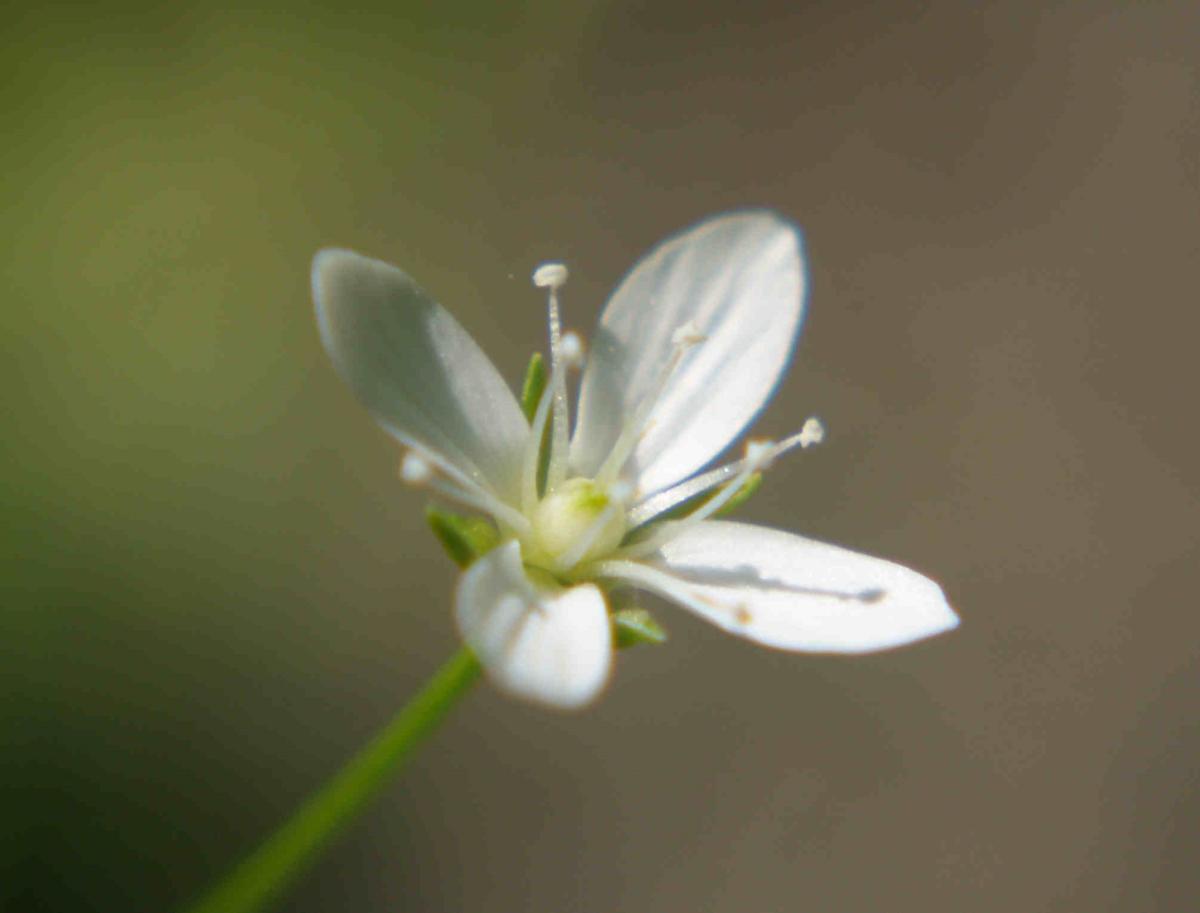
812, 433
550, 275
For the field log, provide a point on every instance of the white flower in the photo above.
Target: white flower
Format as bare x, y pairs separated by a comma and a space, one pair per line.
687, 351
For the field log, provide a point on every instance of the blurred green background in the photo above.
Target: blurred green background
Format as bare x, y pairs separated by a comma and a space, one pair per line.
215, 589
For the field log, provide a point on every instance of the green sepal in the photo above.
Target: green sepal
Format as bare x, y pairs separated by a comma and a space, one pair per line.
535, 384
633, 626
531, 395
464, 538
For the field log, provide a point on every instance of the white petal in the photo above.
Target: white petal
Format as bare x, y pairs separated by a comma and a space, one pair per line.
785, 591
417, 369
553, 647
740, 280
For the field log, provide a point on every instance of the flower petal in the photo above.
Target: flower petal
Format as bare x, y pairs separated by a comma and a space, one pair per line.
553, 647
789, 592
420, 373
739, 279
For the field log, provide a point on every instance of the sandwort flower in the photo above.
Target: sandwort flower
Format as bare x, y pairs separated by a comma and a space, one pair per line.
686, 352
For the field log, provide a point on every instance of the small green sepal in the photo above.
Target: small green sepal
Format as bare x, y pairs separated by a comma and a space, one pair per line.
633, 626
531, 395
465, 539
535, 384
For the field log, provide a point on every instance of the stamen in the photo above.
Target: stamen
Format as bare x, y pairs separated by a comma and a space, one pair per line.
663, 501
812, 433
682, 341
571, 352
552, 276
448, 469
420, 471
758, 455
502, 513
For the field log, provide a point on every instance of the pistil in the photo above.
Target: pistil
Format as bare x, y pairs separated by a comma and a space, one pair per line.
607, 525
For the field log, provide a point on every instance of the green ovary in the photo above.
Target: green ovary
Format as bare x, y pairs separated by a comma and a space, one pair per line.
568, 516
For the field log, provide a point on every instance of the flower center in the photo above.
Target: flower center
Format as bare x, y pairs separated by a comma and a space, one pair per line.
576, 522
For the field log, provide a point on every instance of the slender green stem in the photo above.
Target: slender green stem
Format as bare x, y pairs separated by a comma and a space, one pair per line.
284, 855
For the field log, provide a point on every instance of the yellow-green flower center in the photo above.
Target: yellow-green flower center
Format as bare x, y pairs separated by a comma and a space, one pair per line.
576, 522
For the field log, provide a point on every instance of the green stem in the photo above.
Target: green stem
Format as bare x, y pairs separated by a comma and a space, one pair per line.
282, 857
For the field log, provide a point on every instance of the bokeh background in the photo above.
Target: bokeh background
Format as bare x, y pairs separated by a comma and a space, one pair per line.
215, 588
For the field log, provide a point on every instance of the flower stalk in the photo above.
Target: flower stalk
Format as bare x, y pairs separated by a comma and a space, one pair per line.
263, 875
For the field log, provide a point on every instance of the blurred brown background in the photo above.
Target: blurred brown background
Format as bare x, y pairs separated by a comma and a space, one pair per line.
216, 589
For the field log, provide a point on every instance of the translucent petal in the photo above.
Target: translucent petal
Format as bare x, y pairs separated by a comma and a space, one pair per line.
785, 591
739, 279
553, 647
417, 369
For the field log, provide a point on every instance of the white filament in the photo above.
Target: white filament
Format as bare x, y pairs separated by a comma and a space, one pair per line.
758, 455
682, 341
420, 469
812, 433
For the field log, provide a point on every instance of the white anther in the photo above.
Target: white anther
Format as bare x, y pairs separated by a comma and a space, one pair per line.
415, 470
687, 335
550, 275
571, 350
812, 433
